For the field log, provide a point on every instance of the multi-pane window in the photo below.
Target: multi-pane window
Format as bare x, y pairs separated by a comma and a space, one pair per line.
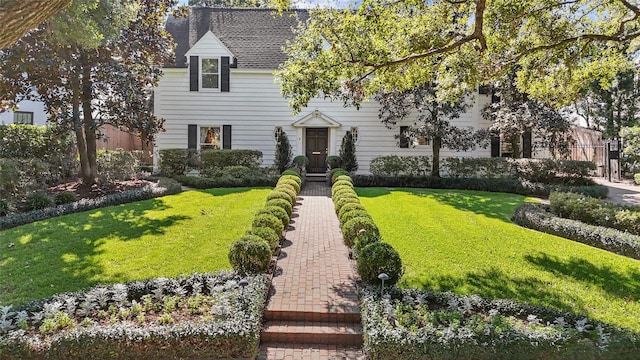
210, 74
277, 132
354, 134
210, 137
23, 117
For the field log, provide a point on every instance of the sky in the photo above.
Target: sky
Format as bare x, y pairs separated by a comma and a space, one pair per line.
308, 4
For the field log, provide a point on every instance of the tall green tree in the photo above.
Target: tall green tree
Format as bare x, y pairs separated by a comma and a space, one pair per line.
516, 114
284, 154
431, 120
557, 47
104, 75
347, 153
612, 108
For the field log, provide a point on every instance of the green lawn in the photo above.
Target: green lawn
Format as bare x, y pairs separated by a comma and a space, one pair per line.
172, 235
463, 241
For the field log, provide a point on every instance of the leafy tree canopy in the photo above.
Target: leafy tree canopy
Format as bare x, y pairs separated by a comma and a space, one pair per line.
558, 47
228, 3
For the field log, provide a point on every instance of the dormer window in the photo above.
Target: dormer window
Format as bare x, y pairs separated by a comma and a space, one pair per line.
210, 74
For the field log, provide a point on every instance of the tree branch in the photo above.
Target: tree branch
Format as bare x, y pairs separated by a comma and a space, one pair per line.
19, 17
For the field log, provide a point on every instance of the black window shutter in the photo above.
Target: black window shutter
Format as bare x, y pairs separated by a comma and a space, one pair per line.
192, 137
226, 136
495, 145
224, 80
194, 77
526, 144
404, 139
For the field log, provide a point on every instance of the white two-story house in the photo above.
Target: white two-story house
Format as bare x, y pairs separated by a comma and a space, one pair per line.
221, 93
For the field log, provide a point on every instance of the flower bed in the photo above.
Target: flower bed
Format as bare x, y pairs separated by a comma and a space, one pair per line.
163, 187
413, 324
537, 218
198, 316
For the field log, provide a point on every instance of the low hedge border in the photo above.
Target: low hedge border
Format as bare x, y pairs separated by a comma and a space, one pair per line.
538, 218
196, 316
198, 182
414, 324
165, 186
489, 184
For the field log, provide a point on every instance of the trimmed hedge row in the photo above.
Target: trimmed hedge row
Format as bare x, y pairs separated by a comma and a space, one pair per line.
198, 182
164, 187
596, 212
492, 185
174, 162
360, 233
252, 253
536, 217
195, 316
413, 324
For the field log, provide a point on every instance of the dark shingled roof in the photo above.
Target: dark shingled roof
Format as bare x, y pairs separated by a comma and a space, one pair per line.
255, 36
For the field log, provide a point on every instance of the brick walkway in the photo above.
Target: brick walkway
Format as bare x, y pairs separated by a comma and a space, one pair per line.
313, 311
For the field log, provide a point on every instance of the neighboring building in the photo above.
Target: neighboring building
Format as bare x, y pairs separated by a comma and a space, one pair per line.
28, 112
221, 93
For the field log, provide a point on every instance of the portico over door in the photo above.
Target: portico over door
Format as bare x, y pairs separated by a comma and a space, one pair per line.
316, 144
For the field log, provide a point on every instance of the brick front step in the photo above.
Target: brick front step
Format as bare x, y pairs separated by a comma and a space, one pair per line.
310, 352
307, 332
350, 315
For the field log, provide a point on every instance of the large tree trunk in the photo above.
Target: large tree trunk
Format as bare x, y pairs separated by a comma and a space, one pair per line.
78, 128
18, 17
436, 144
89, 126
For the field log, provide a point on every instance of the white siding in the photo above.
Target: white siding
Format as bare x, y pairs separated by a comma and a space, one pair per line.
36, 107
254, 106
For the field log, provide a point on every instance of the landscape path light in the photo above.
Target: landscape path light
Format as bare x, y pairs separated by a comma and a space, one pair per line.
382, 277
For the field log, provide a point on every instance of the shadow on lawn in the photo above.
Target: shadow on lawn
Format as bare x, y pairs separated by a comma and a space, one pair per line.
495, 284
625, 286
496, 205
58, 255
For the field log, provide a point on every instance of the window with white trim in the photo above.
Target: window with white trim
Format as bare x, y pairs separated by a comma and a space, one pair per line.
210, 137
277, 132
23, 117
210, 73
354, 134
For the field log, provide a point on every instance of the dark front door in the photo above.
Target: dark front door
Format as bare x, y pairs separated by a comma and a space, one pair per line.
316, 143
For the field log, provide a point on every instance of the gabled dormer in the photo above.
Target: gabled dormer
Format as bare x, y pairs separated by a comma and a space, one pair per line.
209, 62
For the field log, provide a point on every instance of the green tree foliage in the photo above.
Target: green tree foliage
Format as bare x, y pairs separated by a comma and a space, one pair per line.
516, 113
284, 155
347, 153
228, 3
631, 140
431, 119
92, 66
611, 108
557, 46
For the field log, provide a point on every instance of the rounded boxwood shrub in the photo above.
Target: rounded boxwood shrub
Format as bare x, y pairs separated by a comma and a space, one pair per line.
337, 173
290, 182
363, 239
345, 178
276, 211
346, 216
36, 201
64, 197
285, 204
376, 258
267, 234
277, 194
289, 190
351, 228
349, 207
291, 172
295, 178
269, 221
337, 189
343, 183
342, 202
250, 254
343, 194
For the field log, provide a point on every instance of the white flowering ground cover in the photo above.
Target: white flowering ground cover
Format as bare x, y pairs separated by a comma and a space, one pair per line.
412, 324
197, 316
